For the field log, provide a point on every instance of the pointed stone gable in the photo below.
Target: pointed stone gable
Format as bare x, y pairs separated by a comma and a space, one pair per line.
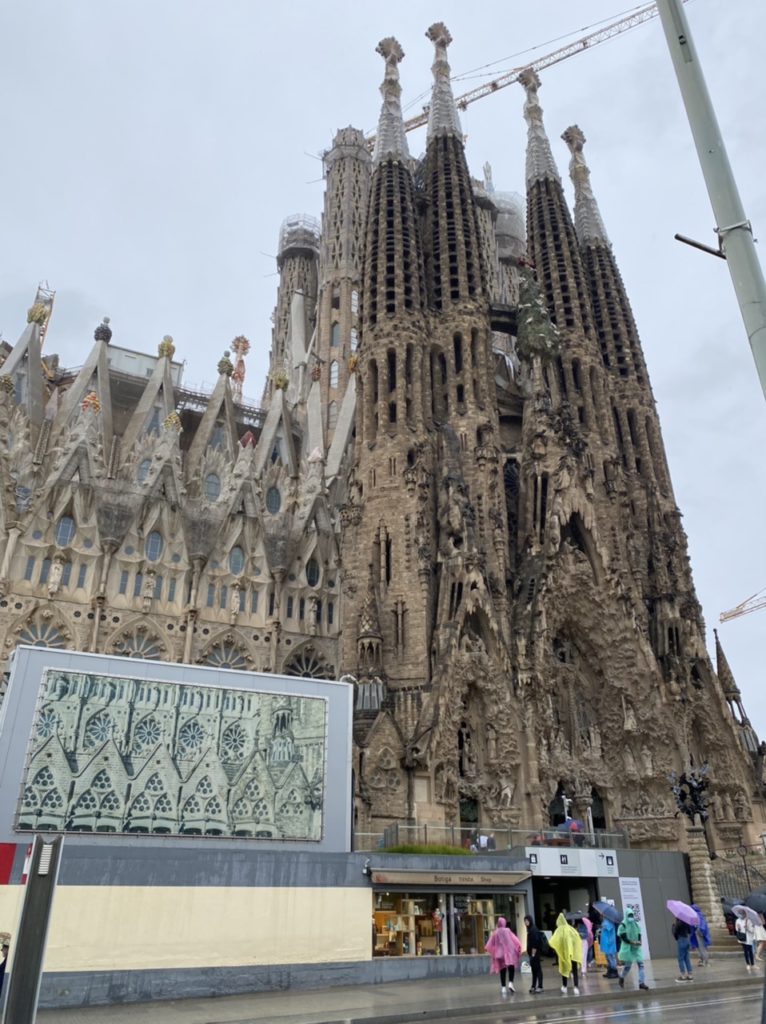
93, 379
156, 404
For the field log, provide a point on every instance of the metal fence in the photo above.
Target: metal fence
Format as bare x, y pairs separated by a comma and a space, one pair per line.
487, 839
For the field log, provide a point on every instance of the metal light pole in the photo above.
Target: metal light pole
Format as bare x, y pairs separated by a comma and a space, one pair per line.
29, 942
735, 233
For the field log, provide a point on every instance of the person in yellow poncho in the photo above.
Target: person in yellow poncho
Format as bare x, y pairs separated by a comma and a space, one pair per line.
568, 947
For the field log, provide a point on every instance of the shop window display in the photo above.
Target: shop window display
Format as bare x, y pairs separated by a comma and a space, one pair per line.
432, 924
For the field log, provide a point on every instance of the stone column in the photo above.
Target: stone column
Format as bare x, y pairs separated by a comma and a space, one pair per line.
704, 888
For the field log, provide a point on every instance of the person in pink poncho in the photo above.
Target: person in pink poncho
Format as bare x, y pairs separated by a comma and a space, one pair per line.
505, 949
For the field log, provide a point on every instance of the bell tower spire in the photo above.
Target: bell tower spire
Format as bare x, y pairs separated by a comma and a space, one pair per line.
442, 115
588, 223
391, 140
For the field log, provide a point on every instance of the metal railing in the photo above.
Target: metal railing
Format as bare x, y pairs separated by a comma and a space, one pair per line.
489, 839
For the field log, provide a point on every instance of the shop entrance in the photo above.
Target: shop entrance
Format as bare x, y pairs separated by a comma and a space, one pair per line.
553, 896
441, 924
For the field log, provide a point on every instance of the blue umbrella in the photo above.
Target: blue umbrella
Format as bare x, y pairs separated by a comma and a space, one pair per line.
570, 825
608, 911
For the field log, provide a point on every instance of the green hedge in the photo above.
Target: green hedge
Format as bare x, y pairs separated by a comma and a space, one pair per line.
452, 851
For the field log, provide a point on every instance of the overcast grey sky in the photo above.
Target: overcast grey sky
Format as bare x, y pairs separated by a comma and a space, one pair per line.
151, 148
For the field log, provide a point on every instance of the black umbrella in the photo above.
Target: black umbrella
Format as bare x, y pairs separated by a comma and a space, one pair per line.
608, 911
756, 901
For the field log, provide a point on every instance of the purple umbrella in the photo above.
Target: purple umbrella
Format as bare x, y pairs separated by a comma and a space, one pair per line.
742, 911
683, 912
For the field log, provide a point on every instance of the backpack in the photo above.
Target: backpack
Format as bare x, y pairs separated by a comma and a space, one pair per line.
545, 948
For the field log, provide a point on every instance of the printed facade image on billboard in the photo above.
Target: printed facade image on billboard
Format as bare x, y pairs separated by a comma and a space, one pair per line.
114, 754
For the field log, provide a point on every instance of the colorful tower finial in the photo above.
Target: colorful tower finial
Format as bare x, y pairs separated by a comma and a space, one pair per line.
166, 347
103, 332
540, 162
225, 365
588, 223
391, 140
240, 346
442, 117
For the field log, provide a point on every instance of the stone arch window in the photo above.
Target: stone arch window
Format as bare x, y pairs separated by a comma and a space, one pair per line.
217, 436
102, 781
335, 336
332, 415
191, 736
212, 486
293, 806
44, 779
241, 809
236, 561
98, 729
253, 789
312, 572
354, 339
334, 373
273, 500
139, 644
598, 811
205, 786
47, 722
225, 654
147, 734
53, 800
193, 807
86, 805
110, 804
42, 634
309, 663
154, 546
234, 742
155, 784
143, 470
65, 531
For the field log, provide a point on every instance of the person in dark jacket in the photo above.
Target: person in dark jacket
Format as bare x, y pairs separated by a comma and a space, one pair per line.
682, 933
536, 942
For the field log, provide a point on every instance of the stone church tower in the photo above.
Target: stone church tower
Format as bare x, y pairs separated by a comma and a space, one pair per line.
455, 497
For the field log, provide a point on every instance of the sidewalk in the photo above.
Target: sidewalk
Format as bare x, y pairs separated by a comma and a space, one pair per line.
396, 1002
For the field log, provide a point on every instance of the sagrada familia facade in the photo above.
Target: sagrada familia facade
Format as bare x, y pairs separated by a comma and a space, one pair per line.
454, 496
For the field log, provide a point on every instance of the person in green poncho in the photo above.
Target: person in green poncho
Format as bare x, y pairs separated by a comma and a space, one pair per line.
568, 946
629, 933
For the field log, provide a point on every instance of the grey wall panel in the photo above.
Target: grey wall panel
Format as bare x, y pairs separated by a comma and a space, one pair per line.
100, 988
663, 877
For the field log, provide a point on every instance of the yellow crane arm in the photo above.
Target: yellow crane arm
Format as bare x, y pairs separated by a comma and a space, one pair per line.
614, 28
752, 604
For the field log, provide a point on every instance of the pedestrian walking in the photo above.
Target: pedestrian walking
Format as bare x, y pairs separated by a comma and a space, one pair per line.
631, 951
583, 928
537, 945
700, 938
682, 933
744, 929
759, 939
568, 948
608, 944
504, 948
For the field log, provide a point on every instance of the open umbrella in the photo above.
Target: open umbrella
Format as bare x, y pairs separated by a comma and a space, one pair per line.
756, 901
683, 912
608, 911
748, 912
571, 825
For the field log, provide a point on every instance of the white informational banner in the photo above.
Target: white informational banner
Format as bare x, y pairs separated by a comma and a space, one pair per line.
571, 860
630, 894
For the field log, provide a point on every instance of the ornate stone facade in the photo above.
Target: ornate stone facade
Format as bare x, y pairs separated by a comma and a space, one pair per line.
456, 494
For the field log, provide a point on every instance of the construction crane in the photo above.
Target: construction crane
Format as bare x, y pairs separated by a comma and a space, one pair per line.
752, 604
614, 28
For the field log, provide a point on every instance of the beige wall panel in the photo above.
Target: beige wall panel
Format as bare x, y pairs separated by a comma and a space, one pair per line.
100, 928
